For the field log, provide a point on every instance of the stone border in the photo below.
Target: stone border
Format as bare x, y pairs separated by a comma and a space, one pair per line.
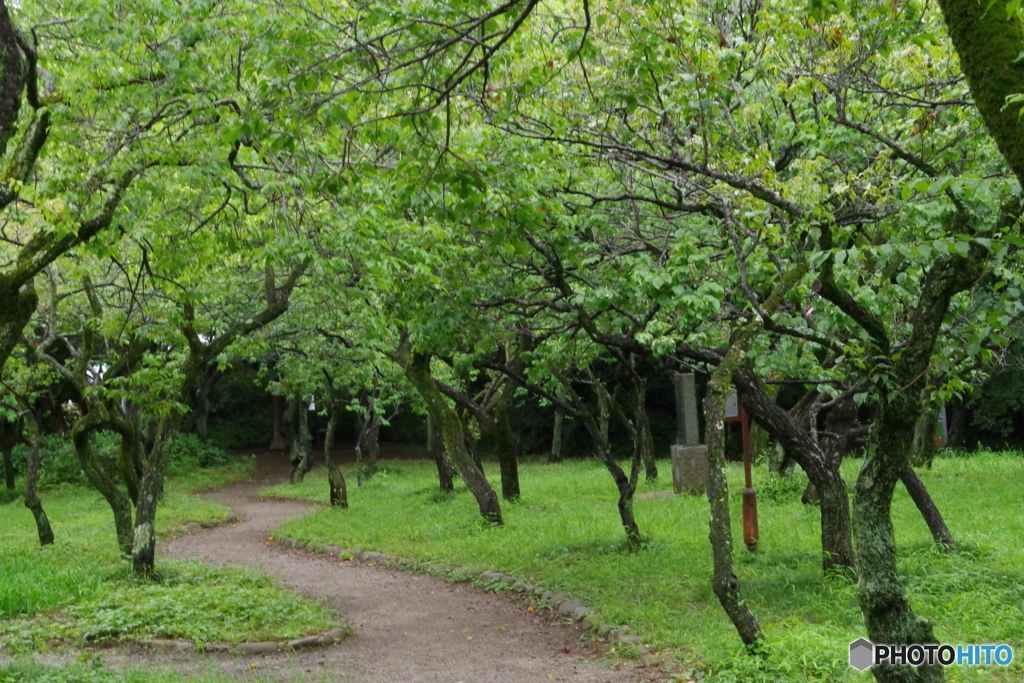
557, 602
334, 635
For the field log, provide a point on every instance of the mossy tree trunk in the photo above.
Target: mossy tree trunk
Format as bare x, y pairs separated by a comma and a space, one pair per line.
883, 598
32, 502
989, 45
417, 370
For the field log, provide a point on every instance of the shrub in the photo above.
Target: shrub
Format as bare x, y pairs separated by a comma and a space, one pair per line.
189, 452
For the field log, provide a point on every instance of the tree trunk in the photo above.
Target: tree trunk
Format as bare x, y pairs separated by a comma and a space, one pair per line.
988, 44
150, 489
7, 440
278, 442
336, 480
823, 473
368, 444
956, 423
99, 475
16, 307
452, 431
724, 582
302, 461
435, 449
604, 417
626, 486
644, 441
924, 447
925, 504
32, 501
556, 439
883, 599
505, 444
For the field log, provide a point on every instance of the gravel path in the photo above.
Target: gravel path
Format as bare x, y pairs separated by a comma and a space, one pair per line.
408, 628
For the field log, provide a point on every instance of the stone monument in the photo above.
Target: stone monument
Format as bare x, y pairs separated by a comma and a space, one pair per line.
690, 470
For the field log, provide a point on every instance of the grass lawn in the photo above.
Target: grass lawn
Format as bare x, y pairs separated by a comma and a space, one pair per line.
565, 535
81, 590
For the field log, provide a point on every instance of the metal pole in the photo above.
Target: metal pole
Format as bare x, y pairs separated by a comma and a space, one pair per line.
750, 534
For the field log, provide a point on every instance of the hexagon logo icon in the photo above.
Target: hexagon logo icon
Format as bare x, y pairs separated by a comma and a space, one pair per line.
861, 654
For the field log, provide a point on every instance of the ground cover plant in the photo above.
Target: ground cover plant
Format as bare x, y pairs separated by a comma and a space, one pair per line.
81, 589
564, 534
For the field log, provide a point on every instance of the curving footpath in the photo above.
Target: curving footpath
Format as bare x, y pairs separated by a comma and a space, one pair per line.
409, 628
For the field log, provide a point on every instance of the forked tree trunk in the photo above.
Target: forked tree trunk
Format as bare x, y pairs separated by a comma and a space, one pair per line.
418, 372
435, 448
32, 501
556, 439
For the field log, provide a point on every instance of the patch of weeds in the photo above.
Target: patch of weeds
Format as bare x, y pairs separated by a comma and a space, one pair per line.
777, 488
193, 602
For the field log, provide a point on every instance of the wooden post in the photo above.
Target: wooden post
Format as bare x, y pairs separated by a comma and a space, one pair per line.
750, 535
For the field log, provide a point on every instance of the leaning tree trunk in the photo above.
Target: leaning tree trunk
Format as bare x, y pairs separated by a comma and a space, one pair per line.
32, 501
626, 486
99, 475
556, 438
926, 506
418, 372
822, 472
336, 480
435, 449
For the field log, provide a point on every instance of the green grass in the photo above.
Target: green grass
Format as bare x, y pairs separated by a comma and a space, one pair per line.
565, 535
81, 589
93, 672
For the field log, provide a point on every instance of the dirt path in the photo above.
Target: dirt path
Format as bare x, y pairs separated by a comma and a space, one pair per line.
409, 628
